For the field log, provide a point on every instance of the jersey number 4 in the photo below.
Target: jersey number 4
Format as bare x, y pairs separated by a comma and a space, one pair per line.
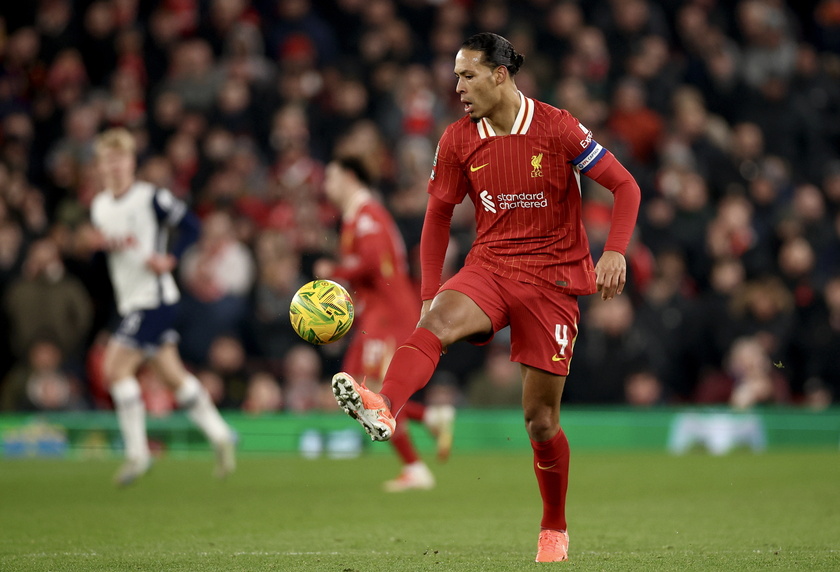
561, 334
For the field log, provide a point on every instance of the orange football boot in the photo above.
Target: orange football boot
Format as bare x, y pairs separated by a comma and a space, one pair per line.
367, 407
553, 546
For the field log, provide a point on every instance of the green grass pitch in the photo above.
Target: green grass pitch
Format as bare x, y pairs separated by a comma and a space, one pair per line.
627, 511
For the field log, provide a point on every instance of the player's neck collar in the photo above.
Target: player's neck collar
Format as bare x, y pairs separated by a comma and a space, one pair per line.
122, 193
358, 198
520, 125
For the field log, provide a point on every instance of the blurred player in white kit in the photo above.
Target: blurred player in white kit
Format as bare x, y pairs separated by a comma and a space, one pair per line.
134, 219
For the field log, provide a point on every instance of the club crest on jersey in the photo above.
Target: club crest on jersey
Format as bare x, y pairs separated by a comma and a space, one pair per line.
536, 163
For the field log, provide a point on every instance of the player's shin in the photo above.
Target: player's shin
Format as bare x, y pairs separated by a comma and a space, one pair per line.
195, 400
551, 465
131, 415
411, 368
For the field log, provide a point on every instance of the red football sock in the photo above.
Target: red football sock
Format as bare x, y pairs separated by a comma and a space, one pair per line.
551, 465
401, 441
411, 368
413, 410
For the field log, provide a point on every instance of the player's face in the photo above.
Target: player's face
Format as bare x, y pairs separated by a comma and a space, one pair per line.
333, 181
116, 168
477, 84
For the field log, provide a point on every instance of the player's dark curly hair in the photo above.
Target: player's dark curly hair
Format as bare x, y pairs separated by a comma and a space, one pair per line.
356, 166
497, 51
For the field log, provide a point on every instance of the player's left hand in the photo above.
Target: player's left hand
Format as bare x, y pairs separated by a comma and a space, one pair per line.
611, 274
161, 263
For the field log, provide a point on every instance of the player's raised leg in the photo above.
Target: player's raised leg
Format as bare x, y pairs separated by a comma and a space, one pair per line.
410, 370
450, 317
194, 399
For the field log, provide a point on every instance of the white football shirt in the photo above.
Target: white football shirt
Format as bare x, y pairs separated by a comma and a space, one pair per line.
138, 223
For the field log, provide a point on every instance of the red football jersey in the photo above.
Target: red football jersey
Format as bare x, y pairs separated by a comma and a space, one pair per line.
527, 195
373, 261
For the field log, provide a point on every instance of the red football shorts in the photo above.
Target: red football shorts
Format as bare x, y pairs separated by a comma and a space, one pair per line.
543, 323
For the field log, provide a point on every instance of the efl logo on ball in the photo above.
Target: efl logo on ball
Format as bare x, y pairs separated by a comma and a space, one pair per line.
321, 312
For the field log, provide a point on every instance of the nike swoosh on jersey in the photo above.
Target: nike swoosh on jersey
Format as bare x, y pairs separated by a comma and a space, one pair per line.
546, 468
474, 169
555, 357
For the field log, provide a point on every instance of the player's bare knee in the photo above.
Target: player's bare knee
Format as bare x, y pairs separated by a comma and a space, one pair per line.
541, 426
113, 370
109, 377
434, 322
173, 378
173, 382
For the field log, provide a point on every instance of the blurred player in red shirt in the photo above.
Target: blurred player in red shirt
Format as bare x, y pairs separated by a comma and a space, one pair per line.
373, 264
519, 160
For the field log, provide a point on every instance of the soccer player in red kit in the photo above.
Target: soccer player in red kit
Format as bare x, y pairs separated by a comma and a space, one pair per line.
372, 262
519, 160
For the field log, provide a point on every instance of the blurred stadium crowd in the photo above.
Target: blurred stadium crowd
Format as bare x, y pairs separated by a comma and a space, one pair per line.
727, 113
